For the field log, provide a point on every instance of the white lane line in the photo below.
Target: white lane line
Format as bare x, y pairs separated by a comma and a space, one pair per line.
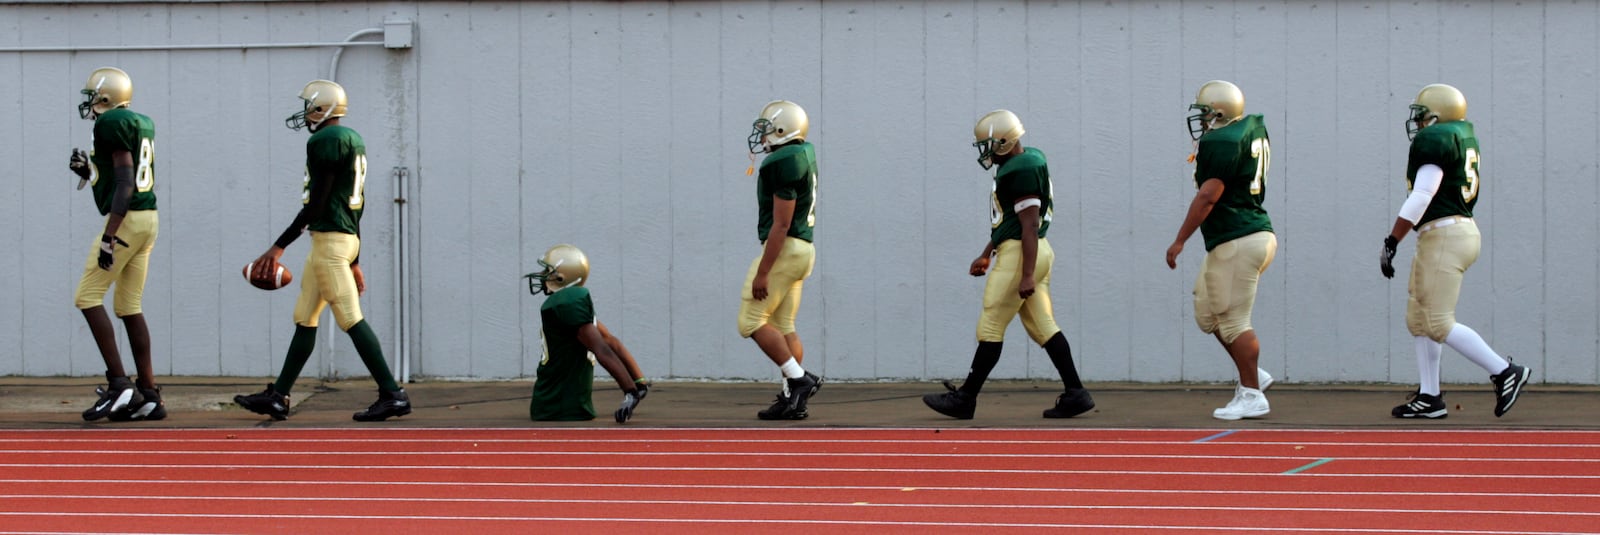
616, 501
1185, 443
887, 488
787, 522
875, 455
808, 469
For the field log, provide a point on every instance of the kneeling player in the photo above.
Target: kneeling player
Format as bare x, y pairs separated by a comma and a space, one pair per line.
570, 334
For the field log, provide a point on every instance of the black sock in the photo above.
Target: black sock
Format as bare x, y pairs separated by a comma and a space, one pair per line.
983, 361
1061, 355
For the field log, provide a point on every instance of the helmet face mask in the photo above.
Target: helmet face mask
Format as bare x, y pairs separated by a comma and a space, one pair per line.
1199, 121
320, 100
1436, 103
562, 266
780, 122
108, 88
1218, 103
997, 133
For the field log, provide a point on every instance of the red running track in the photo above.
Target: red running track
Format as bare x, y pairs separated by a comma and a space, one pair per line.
781, 480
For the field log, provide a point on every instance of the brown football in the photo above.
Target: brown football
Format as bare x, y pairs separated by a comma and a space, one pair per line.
277, 278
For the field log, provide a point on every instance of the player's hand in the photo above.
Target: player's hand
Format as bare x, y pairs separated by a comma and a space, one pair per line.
1172, 254
266, 265
758, 287
1025, 287
979, 266
1386, 258
79, 164
361, 279
108, 244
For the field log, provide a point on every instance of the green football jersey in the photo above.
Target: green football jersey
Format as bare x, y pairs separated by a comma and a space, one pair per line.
337, 151
1239, 155
1023, 175
1454, 148
123, 129
789, 173
565, 386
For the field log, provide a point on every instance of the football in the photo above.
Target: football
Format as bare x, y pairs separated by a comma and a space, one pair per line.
279, 278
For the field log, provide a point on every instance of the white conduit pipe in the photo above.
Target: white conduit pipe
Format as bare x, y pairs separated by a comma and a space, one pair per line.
219, 46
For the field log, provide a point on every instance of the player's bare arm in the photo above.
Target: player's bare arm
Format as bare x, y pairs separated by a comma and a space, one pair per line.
1204, 201
1030, 247
621, 350
590, 335
782, 218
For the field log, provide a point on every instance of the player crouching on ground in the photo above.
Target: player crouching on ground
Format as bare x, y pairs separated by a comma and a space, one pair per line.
336, 173
570, 334
1231, 159
1021, 206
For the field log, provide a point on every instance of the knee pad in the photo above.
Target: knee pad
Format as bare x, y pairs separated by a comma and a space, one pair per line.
1231, 329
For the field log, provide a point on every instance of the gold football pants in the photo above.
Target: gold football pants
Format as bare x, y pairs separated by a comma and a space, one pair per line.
129, 267
1225, 290
327, 281
1000, 299
788, 274
1443, 255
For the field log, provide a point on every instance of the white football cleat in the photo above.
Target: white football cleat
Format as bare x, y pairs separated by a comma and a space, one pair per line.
1247, 403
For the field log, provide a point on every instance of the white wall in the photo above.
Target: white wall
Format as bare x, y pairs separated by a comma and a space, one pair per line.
620, 127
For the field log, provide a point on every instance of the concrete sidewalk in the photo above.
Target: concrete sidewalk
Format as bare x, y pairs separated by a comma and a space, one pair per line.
207, 402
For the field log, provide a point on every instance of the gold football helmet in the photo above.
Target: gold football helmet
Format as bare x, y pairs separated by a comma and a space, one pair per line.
780, 122
323, 100
108, 88
997, 132
1218, 104
564, 265
1436, 103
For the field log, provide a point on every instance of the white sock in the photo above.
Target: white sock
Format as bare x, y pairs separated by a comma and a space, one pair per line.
791, 369
1467, 342
1428, 365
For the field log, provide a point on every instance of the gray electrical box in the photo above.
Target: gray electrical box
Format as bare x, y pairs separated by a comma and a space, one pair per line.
397, 33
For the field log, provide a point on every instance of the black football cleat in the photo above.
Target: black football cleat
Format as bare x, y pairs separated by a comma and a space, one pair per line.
115, 397
800, 391
1422, 406
1507, 386
780, 411
388, 405
268, 402
1071, 403
953, 402
151, 408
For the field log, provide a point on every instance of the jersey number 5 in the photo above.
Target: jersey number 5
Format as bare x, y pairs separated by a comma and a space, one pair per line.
1470, 191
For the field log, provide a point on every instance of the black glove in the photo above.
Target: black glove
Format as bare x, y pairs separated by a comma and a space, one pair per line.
79, 164
107, 244
1386, 260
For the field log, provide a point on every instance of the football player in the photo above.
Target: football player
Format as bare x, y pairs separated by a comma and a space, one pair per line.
332, 201
1231, 158
121, 167
1021, 206
569, 335
1442, 174
786, 201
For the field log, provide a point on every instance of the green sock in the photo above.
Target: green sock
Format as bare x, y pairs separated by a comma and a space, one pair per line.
372, 355
305, 340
